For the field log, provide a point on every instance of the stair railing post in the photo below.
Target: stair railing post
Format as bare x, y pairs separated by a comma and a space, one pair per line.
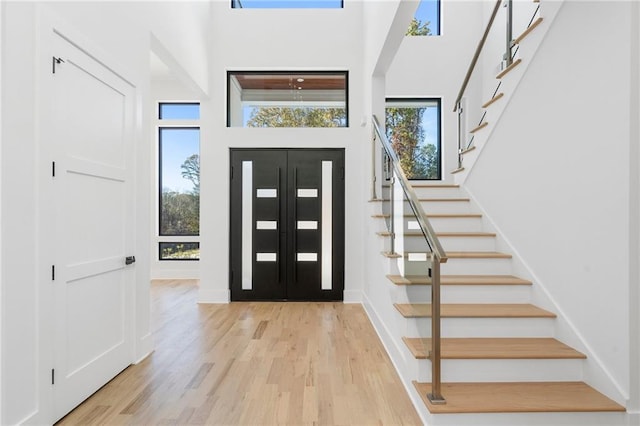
373, 166
507, 56
435, 397
392, 210
459, 109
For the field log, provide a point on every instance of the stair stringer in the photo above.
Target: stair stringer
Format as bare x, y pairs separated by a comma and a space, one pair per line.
383, 315
510, 83
595, 373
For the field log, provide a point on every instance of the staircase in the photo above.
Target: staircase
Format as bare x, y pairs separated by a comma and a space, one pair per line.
498, 350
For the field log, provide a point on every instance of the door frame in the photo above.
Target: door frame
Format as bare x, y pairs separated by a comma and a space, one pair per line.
50, 25
287, 267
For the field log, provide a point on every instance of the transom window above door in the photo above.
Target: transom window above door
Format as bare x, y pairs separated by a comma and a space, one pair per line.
287, 99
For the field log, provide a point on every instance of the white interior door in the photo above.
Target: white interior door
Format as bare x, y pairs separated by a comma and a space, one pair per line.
92, 112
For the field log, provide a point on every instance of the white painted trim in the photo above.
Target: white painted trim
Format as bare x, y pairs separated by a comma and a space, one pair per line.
144, 348
213, 296
175, 274
2, 6
394, 353
352, 296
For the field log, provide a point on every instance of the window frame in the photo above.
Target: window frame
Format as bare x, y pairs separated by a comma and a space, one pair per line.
164, 259
413, 100
171, 123
230, 73
234, 2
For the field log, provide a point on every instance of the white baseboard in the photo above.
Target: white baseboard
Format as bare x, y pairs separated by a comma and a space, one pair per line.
352, 296
213, 296
144, 348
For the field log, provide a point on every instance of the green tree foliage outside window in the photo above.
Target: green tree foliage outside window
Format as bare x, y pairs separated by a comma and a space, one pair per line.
297, 117
418, 28
419, 160
181, 210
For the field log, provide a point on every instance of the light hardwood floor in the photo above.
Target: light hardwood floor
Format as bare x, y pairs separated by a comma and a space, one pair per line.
253, 364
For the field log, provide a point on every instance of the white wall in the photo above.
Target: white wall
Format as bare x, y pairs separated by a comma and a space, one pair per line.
555, 177
19, 286
279, 40
633, 407
123, 37
434, 67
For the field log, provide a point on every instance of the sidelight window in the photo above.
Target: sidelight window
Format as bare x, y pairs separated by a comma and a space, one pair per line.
179, 181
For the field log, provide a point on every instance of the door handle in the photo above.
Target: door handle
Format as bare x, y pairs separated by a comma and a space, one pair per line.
129, 260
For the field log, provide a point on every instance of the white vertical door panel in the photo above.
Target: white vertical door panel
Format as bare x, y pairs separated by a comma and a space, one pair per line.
92, 116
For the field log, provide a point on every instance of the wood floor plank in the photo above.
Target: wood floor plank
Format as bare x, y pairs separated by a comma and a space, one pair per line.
474, 310
495, 348
518, 398
253, 363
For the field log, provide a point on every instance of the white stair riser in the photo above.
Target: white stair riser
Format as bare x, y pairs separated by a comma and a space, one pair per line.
483, 327
465, 224
504, 370
439, 192
468, 243
528, 419
476, 266
465, 294
445, 207
418, 243
485, 294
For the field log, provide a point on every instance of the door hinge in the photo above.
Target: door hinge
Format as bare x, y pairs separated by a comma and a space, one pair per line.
55, 62
53, 272
53, 376
53, 168
429, 272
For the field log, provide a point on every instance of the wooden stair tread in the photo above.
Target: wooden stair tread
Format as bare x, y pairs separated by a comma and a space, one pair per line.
509, 68
480, 127
437, 200
391, 255
474, 310
477, 255
526, 32
443, 234
467, 150
494, 348
492, 100
436, 216
458, 170
518, 397
459, 280
434, 185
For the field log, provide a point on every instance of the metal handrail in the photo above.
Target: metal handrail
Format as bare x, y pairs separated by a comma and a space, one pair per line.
476, 55
412, 198
437, 256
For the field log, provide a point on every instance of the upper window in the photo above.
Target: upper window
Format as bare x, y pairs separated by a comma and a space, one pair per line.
413, 129
287, 99
426, 21
179, 111
287, 4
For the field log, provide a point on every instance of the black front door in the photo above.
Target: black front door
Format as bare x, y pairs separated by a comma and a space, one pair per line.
287, 224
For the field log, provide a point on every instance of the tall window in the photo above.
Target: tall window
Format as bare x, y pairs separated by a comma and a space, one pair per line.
413, 129
287, 99
179, 181
426, 21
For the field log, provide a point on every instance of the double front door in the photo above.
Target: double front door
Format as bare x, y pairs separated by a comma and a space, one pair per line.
287, 224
